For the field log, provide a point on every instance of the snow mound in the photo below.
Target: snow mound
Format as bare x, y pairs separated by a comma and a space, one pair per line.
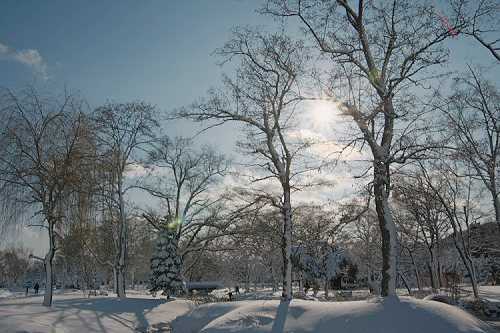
389, 314
4, 293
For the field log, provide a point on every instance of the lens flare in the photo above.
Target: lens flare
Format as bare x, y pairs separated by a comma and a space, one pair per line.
441, 16
176, 222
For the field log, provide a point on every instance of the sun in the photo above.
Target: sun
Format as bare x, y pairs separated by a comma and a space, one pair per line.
323, 111
323, 115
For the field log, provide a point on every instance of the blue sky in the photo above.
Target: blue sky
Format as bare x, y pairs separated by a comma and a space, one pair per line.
156, 51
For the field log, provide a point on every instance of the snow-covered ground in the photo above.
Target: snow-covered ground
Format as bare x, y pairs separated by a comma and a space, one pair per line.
70, 312
252, 312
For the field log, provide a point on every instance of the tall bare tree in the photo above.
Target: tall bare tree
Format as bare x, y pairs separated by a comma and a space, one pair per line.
43, 139
472, 121
263, 95
123, 129
378, 51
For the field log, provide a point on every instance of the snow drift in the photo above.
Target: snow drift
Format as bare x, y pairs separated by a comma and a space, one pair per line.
389, 314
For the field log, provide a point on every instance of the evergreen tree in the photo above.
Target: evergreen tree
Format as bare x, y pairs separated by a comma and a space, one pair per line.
166, 265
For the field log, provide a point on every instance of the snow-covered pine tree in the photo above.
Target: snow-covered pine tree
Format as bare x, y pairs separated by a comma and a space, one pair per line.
166, 266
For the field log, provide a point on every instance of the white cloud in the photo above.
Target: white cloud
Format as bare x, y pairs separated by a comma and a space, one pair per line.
31, 58
27, 231
308, 134
329, 149
4, 49
135, 169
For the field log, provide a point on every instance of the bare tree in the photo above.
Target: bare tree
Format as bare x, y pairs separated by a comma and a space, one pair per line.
14, 263
411, 196
471, 117
361, 237
43, 136
140, 246
453, 193
185, 179
263, 96
123, 129
193, 201
76, 229
378, 50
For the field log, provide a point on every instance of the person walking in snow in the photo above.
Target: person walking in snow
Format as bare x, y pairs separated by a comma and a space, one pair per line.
236, 290
36, 287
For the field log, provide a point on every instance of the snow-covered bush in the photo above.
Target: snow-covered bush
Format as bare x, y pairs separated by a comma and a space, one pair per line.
476, 306
303, 295
441, 298
320, 263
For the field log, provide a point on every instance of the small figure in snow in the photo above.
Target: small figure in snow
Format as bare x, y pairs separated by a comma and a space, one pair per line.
237, 290
231, 298
36, 287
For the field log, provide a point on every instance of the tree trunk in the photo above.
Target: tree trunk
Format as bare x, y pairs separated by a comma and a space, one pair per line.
63, 284
123, 242
496, 205
274, 275
415, 268
120, 290
405, 281
47, 298
387, 230
247, 276
133, 279
115, 280
434, 268
287, 246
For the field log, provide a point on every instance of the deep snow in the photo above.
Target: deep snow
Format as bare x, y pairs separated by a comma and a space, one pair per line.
389, 314
256, 312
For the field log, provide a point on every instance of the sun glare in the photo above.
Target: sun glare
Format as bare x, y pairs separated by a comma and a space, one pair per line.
324, 111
